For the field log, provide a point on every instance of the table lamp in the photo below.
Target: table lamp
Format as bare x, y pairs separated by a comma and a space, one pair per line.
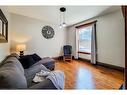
21, 48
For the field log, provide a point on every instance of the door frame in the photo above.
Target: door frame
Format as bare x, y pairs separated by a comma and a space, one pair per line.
124, 10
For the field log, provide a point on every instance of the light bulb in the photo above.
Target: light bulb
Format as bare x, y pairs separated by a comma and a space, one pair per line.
60, 26
64, 24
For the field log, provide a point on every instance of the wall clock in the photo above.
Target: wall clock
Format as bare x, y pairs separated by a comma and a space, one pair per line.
48, 32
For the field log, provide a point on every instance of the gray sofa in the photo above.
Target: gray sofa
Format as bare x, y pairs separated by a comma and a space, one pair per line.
13, 76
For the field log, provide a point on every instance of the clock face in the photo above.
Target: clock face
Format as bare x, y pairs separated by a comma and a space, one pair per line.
48, 32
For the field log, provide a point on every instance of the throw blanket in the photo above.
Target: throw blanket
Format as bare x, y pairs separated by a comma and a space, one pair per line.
57, 77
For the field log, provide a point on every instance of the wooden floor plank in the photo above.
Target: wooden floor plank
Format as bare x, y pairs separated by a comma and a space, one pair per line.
83, 75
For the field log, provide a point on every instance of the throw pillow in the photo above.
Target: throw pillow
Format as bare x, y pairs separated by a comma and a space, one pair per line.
36, 57
27, 61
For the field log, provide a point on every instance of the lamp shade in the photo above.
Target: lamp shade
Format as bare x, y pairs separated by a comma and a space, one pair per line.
21, 47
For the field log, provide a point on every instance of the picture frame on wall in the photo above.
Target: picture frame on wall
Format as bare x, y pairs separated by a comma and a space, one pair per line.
3, 28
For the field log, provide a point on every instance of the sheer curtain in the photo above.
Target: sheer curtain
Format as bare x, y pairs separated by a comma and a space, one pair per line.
93, 44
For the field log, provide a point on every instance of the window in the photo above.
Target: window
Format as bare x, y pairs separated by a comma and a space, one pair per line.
85, 39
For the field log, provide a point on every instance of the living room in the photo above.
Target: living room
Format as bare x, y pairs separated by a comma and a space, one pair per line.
25, 25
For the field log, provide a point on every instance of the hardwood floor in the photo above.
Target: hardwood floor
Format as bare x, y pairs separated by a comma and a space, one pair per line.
83, 75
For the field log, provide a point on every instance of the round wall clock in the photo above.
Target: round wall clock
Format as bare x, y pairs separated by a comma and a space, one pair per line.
48, 32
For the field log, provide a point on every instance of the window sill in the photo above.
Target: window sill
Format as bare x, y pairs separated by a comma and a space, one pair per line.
84, 52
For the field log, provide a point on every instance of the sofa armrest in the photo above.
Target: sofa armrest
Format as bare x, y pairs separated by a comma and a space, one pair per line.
46, 84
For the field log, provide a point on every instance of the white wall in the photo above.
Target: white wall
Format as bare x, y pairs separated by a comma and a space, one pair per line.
28, 30
110, 38
5, 47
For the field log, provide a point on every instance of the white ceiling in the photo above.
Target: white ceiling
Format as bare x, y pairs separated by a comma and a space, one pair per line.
51, 14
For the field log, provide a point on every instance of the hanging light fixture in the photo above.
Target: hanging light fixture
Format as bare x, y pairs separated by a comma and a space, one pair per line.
62, 17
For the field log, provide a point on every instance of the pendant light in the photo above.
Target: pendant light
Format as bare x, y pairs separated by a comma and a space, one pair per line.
62, 17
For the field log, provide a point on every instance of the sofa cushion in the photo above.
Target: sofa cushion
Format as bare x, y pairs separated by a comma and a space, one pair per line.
14, 55
26, 61
36, 57
49, 63
46, 84
13, 61
31, 72
11, 55
11, 77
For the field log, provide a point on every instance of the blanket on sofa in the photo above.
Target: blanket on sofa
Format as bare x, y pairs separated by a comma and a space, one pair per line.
57, 77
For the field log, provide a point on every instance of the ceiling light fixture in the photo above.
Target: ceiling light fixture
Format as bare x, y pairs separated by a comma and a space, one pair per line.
62, 17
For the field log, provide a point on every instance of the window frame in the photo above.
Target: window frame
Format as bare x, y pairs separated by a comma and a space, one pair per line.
83, 26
